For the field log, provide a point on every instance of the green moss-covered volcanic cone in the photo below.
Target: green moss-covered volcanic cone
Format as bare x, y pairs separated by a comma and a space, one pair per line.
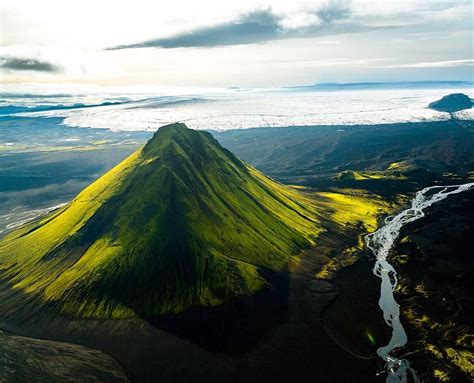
181, 222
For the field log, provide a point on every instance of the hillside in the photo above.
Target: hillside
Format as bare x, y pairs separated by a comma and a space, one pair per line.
181, 222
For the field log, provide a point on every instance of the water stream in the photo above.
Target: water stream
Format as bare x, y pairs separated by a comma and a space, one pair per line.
380, 243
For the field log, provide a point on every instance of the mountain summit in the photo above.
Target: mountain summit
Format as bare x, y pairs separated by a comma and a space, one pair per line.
182, 222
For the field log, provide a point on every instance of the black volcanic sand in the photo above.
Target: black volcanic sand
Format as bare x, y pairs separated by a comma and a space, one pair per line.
355, 320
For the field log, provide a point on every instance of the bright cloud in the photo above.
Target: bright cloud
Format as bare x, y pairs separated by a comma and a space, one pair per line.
216, 43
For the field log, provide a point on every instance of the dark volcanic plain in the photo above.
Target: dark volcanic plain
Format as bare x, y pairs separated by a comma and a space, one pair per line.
325, 329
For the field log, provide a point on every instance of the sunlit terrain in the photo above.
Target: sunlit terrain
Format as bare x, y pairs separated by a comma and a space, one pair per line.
236, 191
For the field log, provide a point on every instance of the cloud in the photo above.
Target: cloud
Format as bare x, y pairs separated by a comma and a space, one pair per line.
253, 27
27, 64
261, 26
330, 62
432, 64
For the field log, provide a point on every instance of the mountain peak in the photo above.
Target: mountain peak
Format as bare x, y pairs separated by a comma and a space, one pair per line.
171, 131
176, 142
167, 133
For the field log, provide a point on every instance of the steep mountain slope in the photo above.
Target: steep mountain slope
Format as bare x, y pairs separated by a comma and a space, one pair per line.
181, 222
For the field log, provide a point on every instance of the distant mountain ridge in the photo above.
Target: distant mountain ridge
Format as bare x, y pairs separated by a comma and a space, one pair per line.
13, 109
182, 222
384, 85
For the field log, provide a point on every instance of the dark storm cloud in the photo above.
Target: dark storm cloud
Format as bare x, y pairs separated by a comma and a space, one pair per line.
27, 64
250, 28
256, 27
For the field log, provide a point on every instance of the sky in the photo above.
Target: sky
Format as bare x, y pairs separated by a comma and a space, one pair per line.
234, 43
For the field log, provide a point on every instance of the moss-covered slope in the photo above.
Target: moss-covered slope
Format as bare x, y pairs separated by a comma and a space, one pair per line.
181, 222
